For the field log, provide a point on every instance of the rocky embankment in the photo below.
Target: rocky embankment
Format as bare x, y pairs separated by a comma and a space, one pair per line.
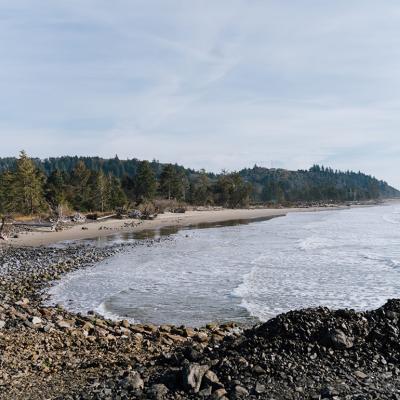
49, 353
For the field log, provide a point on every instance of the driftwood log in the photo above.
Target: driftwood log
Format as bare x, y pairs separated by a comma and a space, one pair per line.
3, 236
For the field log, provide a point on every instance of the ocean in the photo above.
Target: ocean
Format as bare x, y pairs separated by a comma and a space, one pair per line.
246, 272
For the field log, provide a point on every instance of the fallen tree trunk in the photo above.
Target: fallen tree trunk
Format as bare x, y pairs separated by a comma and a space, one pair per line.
107, 216
2, 235
35, 224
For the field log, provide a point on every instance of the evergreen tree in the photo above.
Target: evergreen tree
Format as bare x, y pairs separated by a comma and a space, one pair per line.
27, 186
222, 189
239, 194
145, 182
117, 195
232, 190
167, 179
173, 183
93, 183
55, 189
100, 192
201, 190
128, 186
6, 199
80, 193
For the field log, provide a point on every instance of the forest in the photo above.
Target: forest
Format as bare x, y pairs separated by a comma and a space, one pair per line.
30, 185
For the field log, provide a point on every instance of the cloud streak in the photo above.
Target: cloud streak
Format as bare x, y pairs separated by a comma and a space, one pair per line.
208, 84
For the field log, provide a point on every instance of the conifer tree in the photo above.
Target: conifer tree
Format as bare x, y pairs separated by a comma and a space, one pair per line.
80, 196
200, 190
145, 182
55, 189
117, 195
173, 183
27, 187
101, 192
6, 185
167, 181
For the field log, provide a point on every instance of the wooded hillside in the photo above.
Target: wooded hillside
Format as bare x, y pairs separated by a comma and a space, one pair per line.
91, 183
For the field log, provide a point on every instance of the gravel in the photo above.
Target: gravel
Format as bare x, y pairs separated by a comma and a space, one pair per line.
50, 353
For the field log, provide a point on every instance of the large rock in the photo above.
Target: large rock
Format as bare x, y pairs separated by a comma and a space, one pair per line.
211, 379
240, 392
36, 320
338, 339
193, 376
158, 391
201, 337
133, 381
219, 394
64, 324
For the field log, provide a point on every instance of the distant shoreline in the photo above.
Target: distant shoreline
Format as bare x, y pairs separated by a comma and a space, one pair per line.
101, 229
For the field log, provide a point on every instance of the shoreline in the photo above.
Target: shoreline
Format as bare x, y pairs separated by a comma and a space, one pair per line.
110, 227
102, 229
49, 352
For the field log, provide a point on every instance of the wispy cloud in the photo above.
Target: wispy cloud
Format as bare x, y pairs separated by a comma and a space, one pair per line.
208, 84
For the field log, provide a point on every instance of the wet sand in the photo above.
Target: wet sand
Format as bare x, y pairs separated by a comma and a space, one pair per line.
117, 226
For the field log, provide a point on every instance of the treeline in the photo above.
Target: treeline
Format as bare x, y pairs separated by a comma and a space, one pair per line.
316, 184
29, 186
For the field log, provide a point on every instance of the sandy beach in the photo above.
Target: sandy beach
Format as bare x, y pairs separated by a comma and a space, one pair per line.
110, 227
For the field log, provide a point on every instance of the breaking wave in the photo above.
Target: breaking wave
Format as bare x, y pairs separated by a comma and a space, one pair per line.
347, 258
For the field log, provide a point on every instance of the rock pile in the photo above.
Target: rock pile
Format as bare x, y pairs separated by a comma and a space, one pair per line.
47, 352
307, 354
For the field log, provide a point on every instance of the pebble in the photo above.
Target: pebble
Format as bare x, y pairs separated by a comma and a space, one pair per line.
313, 353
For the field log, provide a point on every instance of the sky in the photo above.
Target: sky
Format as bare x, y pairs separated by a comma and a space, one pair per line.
208, 84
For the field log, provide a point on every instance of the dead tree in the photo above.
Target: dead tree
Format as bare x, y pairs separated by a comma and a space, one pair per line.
3, 235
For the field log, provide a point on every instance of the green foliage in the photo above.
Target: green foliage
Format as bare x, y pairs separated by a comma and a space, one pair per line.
22, 189
100, 191
79, 195
201, 190
55, 191
6, 192
117, 197
145, 183
173, 183
94, 184
232, 190
26, 190
317, 184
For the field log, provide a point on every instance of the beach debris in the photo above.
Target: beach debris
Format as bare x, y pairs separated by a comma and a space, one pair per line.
99, 217
179, 210
3, 236
136, 214
78, 218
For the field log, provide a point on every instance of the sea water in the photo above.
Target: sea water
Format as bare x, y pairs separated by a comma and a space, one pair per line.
247, 272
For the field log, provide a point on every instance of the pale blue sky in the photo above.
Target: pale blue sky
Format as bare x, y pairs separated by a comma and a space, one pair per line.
213, 84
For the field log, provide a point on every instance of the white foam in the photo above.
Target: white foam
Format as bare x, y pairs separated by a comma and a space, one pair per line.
392, 218
102, 310
314, 242
336, 258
